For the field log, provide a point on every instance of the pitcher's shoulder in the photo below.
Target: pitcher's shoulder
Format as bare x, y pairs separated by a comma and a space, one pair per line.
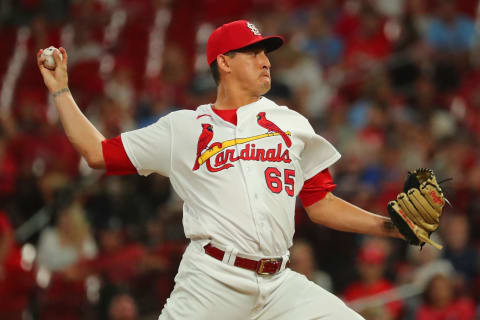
186, 115
291, 115
183, 113
294, 114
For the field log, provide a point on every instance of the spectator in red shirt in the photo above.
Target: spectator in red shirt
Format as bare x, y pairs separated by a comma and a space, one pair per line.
371, 261
16, 280
118, 262
369, 42
440, 302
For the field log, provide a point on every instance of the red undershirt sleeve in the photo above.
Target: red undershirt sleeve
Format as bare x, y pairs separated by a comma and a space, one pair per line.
116, 159
316, 188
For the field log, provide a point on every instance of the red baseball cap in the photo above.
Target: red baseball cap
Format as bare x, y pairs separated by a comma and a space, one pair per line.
371, 254
236, 35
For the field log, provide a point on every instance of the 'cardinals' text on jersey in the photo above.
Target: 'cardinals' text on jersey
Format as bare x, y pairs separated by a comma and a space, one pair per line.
238, 183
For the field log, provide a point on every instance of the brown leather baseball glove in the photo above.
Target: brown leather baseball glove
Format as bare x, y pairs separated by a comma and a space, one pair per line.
417, 210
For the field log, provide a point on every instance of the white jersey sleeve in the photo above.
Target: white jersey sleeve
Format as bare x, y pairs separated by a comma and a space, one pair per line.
318, 154
149, 148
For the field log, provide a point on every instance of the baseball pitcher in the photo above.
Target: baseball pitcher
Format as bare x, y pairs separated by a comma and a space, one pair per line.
238, 164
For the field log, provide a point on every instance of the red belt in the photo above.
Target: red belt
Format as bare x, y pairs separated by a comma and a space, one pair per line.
262, 267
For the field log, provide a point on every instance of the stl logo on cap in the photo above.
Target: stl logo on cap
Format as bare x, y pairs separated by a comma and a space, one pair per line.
254, 29
236, 35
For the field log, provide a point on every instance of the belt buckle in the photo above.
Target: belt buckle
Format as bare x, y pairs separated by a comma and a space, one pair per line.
261, 265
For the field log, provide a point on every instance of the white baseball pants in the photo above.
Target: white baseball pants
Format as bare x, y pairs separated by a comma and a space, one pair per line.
208, 289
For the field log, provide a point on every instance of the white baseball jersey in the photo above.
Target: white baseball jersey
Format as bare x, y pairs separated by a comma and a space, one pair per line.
239, 183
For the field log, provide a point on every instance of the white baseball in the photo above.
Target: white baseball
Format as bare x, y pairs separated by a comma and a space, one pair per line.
49, 62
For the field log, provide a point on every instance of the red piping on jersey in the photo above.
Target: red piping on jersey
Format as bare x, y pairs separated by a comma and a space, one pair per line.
203, 115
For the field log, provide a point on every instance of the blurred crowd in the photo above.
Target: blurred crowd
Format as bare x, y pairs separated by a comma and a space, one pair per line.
394, 85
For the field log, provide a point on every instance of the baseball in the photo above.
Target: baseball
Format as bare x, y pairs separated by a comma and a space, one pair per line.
49, 62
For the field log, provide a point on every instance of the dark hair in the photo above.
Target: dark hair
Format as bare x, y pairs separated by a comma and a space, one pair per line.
214, 67
214, 71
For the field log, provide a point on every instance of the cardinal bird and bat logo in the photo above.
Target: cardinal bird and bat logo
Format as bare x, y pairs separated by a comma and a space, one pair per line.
225, 157
203, 141
272, 127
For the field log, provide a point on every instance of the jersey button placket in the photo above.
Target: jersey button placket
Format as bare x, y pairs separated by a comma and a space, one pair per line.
249, 185
253, 192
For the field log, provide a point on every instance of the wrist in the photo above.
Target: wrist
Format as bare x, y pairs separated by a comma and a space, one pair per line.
391, 230
60, 92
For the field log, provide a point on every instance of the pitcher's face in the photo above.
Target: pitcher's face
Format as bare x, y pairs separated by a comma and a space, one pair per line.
251, 69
